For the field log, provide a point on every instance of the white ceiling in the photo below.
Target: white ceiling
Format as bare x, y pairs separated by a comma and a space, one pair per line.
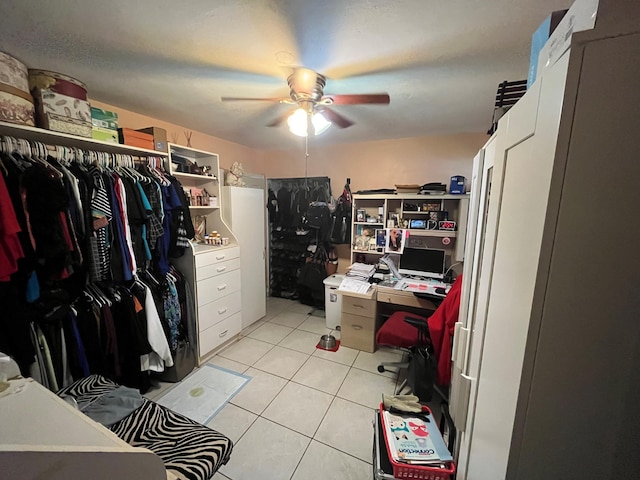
439, 60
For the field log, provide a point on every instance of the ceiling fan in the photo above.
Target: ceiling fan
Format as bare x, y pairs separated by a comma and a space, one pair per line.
307, 93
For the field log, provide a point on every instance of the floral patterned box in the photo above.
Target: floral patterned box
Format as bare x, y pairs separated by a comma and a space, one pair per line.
62, 113
16, 103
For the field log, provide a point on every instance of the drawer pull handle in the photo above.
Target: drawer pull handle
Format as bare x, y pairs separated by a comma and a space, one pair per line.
358, 306
356, 327
221, 269
222, 334
222, 310
222, 287
220, 257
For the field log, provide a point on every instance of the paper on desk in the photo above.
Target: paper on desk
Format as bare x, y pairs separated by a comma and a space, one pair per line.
354, 286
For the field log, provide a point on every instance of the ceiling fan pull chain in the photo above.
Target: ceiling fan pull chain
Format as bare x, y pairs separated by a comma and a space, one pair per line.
306, 158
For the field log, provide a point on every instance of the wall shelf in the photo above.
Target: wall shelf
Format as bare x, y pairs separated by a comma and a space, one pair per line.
391, 206
193, 178
49, 137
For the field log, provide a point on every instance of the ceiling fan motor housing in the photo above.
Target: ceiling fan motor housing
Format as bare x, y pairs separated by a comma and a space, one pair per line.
306, 85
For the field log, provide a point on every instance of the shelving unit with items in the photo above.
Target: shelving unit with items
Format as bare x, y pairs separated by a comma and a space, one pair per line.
432, 221
202, 188
368, 216
212, 268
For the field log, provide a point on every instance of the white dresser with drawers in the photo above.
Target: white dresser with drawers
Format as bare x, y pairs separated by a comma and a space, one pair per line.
215, 273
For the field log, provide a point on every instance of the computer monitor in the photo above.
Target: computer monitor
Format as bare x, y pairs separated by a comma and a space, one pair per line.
422, 262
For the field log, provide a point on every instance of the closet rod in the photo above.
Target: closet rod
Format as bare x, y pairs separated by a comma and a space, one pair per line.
139, 159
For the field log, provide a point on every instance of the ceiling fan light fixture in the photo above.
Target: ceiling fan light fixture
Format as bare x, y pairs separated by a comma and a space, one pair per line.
297, 122
320, 123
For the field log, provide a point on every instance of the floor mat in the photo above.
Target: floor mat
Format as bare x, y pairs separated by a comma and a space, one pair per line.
204, 393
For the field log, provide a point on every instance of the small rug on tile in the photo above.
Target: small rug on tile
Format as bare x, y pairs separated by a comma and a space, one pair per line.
334, 349
317, 313
204, 393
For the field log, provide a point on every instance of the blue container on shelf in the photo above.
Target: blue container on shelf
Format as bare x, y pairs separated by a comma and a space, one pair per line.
457, 184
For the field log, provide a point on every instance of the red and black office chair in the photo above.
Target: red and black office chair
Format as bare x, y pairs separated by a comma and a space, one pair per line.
428, 341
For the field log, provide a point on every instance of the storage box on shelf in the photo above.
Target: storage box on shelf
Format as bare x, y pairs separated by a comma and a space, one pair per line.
135, 138
105, 134
422, 212
159, 137
105, 125
214, 270
60, 102
104, 119
16, 102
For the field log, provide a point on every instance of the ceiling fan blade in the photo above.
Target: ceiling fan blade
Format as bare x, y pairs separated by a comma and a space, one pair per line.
376, 98
335, 117
280, 119
270, 99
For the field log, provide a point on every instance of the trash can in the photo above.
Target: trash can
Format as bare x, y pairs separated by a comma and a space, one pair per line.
333, 301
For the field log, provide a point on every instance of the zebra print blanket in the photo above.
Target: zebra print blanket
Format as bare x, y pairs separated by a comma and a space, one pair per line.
190, 450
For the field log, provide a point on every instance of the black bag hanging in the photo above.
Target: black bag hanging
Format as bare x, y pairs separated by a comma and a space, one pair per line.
310, 281
319, 217
422, 371
423, 367
341, 218
184, 361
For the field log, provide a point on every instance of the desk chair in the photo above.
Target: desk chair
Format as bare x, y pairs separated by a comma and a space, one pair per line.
412, 333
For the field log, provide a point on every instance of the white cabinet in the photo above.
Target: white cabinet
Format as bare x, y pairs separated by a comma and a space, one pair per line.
373, 212
218, 295
215, 272
552, 323
244, 208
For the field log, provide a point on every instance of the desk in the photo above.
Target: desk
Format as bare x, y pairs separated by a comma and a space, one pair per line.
402, 298
362, 314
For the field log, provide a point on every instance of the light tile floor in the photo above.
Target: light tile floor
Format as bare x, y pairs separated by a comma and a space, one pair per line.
307, 413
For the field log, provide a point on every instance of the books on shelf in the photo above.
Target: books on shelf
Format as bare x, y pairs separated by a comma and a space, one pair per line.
414, 438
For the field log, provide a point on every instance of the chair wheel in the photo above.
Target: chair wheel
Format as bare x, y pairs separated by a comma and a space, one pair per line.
381, 368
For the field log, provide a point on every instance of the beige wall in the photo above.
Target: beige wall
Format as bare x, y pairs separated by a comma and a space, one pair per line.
383, 163
379, 164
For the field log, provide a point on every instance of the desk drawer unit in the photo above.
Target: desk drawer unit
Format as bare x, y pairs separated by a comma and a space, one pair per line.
358, 323
358, 332
216, 335
409, 300
214, 312
213, 288
358, 306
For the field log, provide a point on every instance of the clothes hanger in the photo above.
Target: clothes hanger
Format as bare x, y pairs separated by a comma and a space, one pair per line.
9, 148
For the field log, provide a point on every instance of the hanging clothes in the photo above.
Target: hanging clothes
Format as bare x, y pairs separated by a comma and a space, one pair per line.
76, 232
10, 247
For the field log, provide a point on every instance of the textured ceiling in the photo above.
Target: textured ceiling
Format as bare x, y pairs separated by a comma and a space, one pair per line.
440, 61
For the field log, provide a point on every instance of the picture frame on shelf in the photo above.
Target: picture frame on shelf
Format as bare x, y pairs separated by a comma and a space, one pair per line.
394, 240
361, 215
381, 238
